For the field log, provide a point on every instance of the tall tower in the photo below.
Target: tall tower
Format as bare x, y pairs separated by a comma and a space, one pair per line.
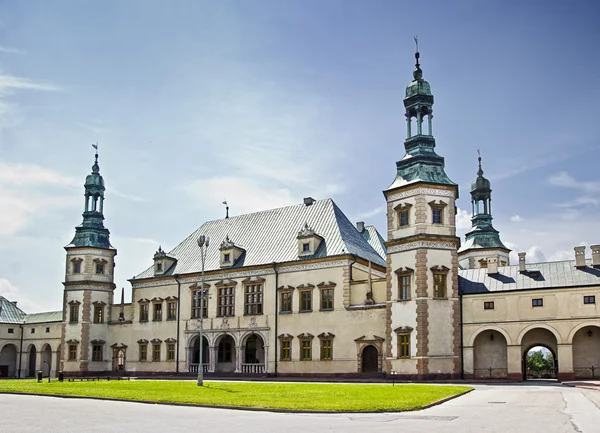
483, 245
423, 315
88, 286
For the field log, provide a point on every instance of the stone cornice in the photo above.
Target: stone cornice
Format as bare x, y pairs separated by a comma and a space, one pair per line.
436, 245
411, 191
91, 251
423, 241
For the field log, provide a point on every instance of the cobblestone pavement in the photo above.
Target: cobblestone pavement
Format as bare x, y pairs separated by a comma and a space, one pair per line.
528, 407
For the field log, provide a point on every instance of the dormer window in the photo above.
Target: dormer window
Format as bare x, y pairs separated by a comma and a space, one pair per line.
159, 267
162, 262
308, 241
230, 253
437, 211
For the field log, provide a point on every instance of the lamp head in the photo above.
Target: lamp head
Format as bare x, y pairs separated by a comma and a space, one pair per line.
201, 240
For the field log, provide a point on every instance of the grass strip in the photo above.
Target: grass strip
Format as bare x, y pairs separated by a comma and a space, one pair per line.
265, 395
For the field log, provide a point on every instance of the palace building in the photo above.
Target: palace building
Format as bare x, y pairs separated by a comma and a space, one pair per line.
301, 290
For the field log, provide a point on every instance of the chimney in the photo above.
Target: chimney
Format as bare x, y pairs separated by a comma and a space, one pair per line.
308, 201
522, 267
595, 256
492, 265
579, 257
360, 226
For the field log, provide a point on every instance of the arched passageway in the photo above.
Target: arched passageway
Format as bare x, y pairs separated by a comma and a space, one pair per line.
586, 353
46, 366
254, 355
32, 361
490, 355
226, 354
539, 338
8, 361
194, 354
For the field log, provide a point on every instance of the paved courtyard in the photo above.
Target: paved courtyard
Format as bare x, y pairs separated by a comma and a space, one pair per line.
530, 407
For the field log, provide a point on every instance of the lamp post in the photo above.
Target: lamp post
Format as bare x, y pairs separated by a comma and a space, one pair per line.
200, 296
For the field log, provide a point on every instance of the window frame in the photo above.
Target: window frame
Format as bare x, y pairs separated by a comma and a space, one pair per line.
99, 268
305, 349
439, 208
144, 311
199, 309
285, 347
326, 346
97, 352
286, 299
405, 290
404, 345
157, 311
589, 299
253, 298
226, 293
98, 313
77, 267
156, 349
143, 351
489, 305
171, 310
305, 299
402, 209
170, 351
74, 311
323, 289
537, 302
72, 355
440, 279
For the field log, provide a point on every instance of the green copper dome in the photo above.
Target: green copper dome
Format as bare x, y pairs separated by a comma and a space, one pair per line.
418, 87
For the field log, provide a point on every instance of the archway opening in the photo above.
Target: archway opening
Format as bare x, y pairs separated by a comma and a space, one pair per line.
226, 354
32, 360
586, 353
490, 355
194, 355
254, 355
46, 360
540, 363
370, 359
8, 361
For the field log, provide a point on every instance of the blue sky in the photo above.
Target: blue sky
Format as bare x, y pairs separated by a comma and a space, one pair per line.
265, 102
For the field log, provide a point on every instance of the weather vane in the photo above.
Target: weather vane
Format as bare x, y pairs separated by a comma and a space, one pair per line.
417, 43
226, 209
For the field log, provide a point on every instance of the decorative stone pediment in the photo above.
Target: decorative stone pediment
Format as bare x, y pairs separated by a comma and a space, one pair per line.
306, 336
323, 284
253, 280
306, 286
170, 340
364, 339
440, 269
72, 341
142, 341
285, 337
162, 262
404, 270
403, 330
402, 207
308, 241
438, 203
196, 286
73, 303
171, 298
222, 283
230, 252
119, 346
286, 288
325, 335
156, 340
144, 301
98, 342
99, 303
157, 300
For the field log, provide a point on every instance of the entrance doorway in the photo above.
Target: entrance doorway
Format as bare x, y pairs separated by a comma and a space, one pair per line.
370, 359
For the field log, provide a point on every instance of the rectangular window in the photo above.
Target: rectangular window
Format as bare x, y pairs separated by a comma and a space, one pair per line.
47, 330
76, 267
225, 301
157, 313
404, 218
306, 247
537, 302
439, 285
404, 287
437, 215
159, 267
170, 351
33, 330
254, 299
99, 268
326, 349
305, 300
286, 350
144, 312
197, 302
327, 299
98, 314
72, 352
286, 302
156, 352
97, 352
74, 314
589, 299
143, 351
226, 258
305, 350
489, 305
403, 345
11, 330
171, 310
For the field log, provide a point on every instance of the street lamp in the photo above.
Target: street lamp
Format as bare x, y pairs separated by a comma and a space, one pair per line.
200, 296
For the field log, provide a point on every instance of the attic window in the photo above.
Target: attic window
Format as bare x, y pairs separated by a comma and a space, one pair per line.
305, 247
227, 258
159, 267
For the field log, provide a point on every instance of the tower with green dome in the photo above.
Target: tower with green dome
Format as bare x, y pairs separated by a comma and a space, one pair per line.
88, 286
423, 307
482, 243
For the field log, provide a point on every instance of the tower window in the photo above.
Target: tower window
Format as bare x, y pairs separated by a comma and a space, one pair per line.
403, 345
72, 352
439, 285
74, 313
437, 215
99, 268
404, 219
98, 314
77, 267
404, 287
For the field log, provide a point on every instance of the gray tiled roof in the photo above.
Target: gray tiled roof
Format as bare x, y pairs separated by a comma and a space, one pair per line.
374, 239
9, 312
548, 275
270, 236
48, 316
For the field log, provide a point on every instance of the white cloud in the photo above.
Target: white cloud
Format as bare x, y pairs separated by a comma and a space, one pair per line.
20, 83
565, 180
4, 49
580, 201
12, 293
20, 174
516, 218
463, 220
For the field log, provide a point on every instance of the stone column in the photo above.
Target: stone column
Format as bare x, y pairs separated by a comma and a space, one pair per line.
565, 362
468, 360
266, 349
514, 362
238, 359
212, 359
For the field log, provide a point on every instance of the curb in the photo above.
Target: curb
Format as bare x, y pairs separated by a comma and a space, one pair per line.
246, 408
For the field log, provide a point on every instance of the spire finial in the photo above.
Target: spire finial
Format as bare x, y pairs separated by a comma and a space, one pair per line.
418, 73
95, 167
226, 209
480, 171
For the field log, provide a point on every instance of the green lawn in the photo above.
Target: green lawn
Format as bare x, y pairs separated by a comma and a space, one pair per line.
295, 396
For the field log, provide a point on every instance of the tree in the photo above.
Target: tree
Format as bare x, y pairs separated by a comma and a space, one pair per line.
539, 361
